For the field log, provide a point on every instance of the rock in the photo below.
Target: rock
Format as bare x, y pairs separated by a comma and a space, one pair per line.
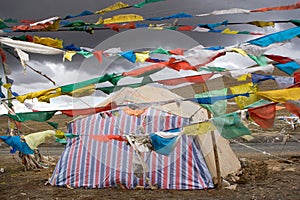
231, 187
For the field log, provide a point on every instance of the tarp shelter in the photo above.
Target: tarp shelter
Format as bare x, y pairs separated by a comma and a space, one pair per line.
87, 162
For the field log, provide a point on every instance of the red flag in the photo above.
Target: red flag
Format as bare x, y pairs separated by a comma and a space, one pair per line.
263, 115
297, 77
177, 51
287, 7
180, 65
3, 56
98, 55
88, 111
280, 59
192, 79
293, 107
211, 59
146, 70
117, 27
185, 28
107, 138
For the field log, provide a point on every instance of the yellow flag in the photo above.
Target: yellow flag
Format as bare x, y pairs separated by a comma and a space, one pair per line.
55, 43
245, 88
142, 56
198, 129
54, 26
262, 23
156, 28
116, 6
228, 31
281, 96
123, 18
7, 85
68, 55
84, 91
51, 94
240, 51
59, 134
33, 95
35, 139
244, 77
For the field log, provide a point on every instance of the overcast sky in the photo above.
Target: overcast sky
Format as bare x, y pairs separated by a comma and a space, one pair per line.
82, 69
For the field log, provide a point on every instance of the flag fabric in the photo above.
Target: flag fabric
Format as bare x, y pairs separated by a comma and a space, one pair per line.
237, 73
297, 77
284, 81
199, 128
285, 7
116, 6
245, 88
178, 15
263, 115
88, 111
40, 116
164, 142
146, 71
129, 55
83, 13
17, 144
293, 107
230, 126
289, 67
280, 96
35, 139
280, 59
191, 79
141, 4
280, 36
256, 78
123, 18
218, 108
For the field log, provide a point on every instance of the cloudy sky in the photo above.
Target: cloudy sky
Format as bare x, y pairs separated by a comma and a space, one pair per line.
82, 69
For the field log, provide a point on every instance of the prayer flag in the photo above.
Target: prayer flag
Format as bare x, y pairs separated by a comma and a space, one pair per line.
230, 126
263, 115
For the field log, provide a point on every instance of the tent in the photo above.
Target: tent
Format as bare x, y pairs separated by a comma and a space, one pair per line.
87, 162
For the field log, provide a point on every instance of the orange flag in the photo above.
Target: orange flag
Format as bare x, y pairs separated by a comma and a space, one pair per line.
287, 7
263, 115
293, 107
98, 55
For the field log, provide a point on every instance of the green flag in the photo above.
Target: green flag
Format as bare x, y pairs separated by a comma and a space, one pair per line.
230, 126
61, 141
10, 20
40, 116
258, 103
212, 69
141, 4
160, 51
108, 90
295, 22
261, 60
53, 124
3, 25
219, 107
86, 54
113, 78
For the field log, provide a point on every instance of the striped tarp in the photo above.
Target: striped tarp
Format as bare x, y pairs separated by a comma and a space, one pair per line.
86, 162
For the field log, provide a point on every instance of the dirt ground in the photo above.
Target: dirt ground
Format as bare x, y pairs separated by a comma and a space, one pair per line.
261, 177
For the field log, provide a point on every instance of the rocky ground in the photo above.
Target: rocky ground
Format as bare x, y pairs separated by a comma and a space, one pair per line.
262, 177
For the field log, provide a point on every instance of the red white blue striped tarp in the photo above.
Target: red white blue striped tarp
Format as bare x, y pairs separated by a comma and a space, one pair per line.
86, 162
